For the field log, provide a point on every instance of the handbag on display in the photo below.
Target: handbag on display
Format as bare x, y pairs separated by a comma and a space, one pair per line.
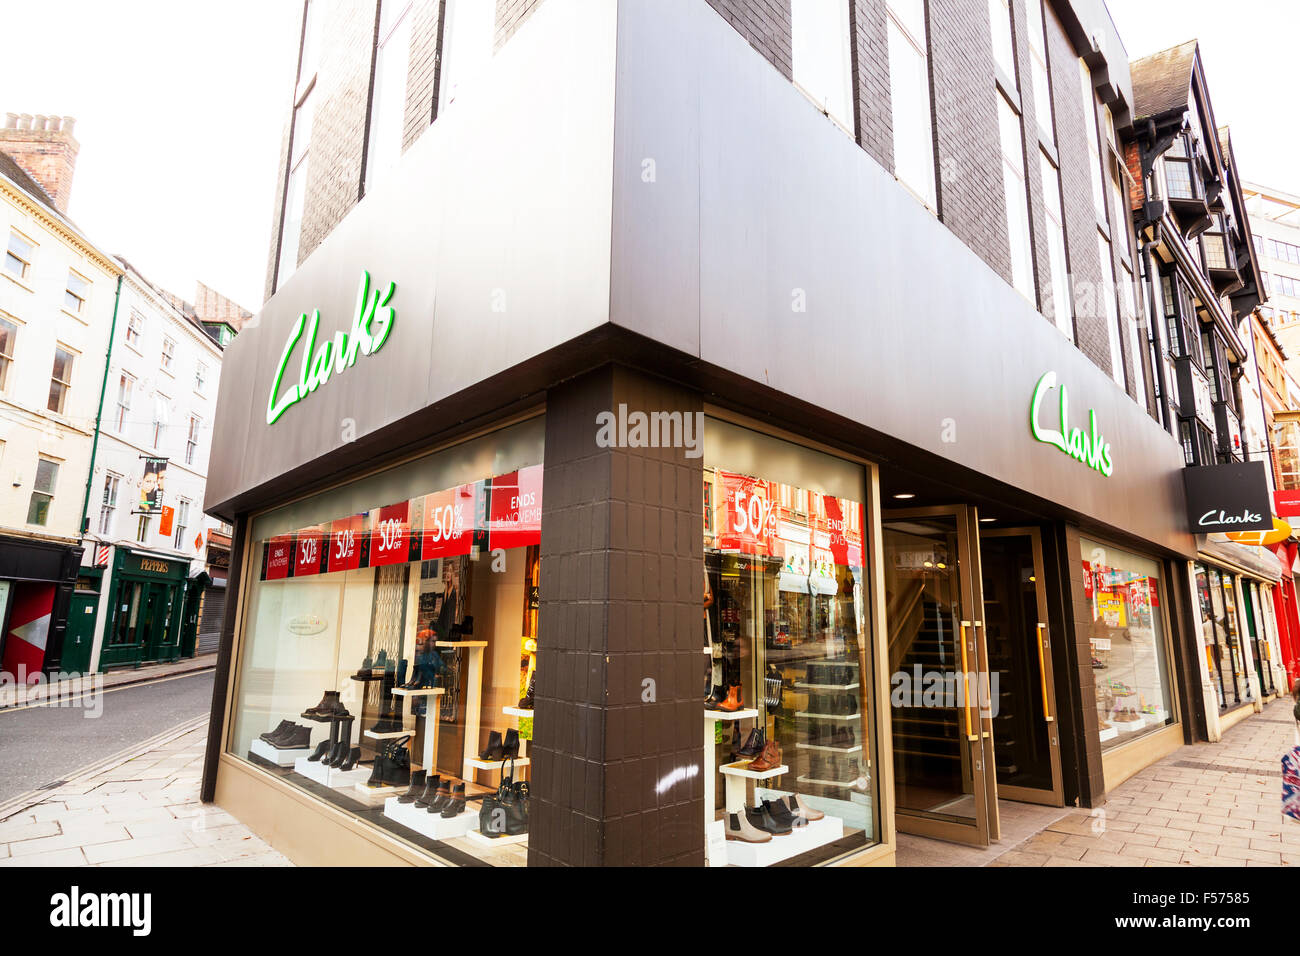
772, 687
517, 809
1291, 783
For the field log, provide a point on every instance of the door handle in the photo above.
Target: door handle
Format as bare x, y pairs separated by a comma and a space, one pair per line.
1042, 674
965, 676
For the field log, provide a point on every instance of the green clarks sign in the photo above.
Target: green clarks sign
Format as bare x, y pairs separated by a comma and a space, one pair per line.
371, 324
1085, 446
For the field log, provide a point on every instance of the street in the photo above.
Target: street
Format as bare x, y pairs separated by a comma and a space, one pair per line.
41, 745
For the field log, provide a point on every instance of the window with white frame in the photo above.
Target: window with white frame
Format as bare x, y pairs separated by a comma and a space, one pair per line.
1134, 323
295, 189
8, 337
388, 98
47, 477
192, 440
200, 377
1003, 52
160, 403
76, 293
468, 34
1017, 199
108, 505
182, 521
60, 380
168, 353
1056, 305
134, 324
820, 58
142, 529
1109, 309
1094, 146
909, 91
1038, 68
125, 388
19, 255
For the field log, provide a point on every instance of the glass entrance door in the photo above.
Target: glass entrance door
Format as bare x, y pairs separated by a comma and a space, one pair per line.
1026, 738
942, 738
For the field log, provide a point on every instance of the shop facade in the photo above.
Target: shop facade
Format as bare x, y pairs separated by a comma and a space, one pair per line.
37, 581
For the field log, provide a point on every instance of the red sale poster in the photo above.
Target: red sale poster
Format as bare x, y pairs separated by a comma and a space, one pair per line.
306, 553
345, 543
750, 525
448, 523
390, 535
279, 557
515, 511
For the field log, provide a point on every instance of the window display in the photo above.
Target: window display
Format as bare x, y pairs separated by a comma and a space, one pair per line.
389, 653
788, 714
1130, 667
1221, 636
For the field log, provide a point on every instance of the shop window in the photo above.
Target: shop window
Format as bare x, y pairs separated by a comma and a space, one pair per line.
909, 92
47, 477
1221, 636
1127, 638
392, 629
790, 763
821, 63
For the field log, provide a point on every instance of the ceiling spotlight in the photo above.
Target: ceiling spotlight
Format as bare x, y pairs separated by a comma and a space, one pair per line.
987, 520
904, 496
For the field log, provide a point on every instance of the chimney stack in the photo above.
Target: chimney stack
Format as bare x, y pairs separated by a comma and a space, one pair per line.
43, 146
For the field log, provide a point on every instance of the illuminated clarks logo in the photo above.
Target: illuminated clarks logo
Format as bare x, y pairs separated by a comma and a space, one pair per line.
371, 323
1085, 446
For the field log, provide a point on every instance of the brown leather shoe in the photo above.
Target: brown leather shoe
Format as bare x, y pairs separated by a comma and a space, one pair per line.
769, 759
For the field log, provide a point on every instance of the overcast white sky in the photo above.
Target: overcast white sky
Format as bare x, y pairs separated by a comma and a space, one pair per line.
179, 106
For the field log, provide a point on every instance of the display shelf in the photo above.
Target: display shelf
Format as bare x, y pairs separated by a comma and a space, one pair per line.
745, 714
368, 678
857, 748
811, 716
1128, 726
329, 776
842, 784
391, 735
281, 758
459, 644
431, 825
326, 720
1107, 733
741, 769
474, 836
422, 692
803, 839
517, 712
375, 796
478, 764
801, 686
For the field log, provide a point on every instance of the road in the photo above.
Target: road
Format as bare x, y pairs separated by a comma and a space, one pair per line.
40, 745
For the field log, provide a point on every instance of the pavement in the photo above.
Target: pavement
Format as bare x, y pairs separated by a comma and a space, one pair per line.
139, 808
44, 742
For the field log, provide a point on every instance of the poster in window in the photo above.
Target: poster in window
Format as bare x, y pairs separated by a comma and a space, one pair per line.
515, 509
390, 535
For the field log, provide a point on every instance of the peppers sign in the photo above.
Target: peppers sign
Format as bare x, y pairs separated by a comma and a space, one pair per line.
371, 323
1087, 447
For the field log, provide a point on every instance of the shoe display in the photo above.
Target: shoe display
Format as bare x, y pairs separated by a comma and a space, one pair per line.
298, 738
761, 819
364, 670
753, 745
800, 810
281, 734
417, 786
353, 758
716, 697
329, 706
376, 778
397, 769
526, 702
455, 805
284, 725
734, 701
431, 783
740, 828
782, 815
321, 750
495, 749
441, 798
338, 753
769, 758
345, 742
842, 738
510, 746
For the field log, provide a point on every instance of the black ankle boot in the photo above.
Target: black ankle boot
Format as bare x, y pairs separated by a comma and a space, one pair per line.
494, 749
456, 804
336, 754
510, 746
353, 756
322, 748
426, 797
377, 771
441, 798
417, 785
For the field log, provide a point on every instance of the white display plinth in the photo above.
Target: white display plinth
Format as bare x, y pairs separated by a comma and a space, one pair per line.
802, 839
478, 764
422, 692
375, 796
392, 735
329, 776
474, 836
281, 758
517, 712
432, 825
747, 714
846, 717
739, 778
716, 843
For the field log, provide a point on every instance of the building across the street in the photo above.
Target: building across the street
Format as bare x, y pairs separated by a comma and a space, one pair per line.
740, 463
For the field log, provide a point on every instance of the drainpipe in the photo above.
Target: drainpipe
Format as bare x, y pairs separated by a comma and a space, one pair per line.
99, 413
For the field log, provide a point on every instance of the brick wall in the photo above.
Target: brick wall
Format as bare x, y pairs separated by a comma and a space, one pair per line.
48, 156
622, 549
765, 24
870, 51
422, 72
511, 15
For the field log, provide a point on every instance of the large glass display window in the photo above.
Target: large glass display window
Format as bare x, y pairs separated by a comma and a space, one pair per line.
1221, 636
790, 745
1127, 638
387, 663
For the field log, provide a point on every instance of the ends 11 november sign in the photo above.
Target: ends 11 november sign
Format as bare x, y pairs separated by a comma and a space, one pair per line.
1086, 446
372, 321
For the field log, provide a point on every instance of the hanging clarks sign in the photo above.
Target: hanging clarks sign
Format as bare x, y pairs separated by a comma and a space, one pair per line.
1231, 497
371, 323
1087, 447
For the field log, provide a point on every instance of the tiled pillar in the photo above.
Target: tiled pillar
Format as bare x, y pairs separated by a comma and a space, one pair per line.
620, 673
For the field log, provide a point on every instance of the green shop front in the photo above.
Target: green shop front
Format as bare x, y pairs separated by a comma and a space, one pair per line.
144, 612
